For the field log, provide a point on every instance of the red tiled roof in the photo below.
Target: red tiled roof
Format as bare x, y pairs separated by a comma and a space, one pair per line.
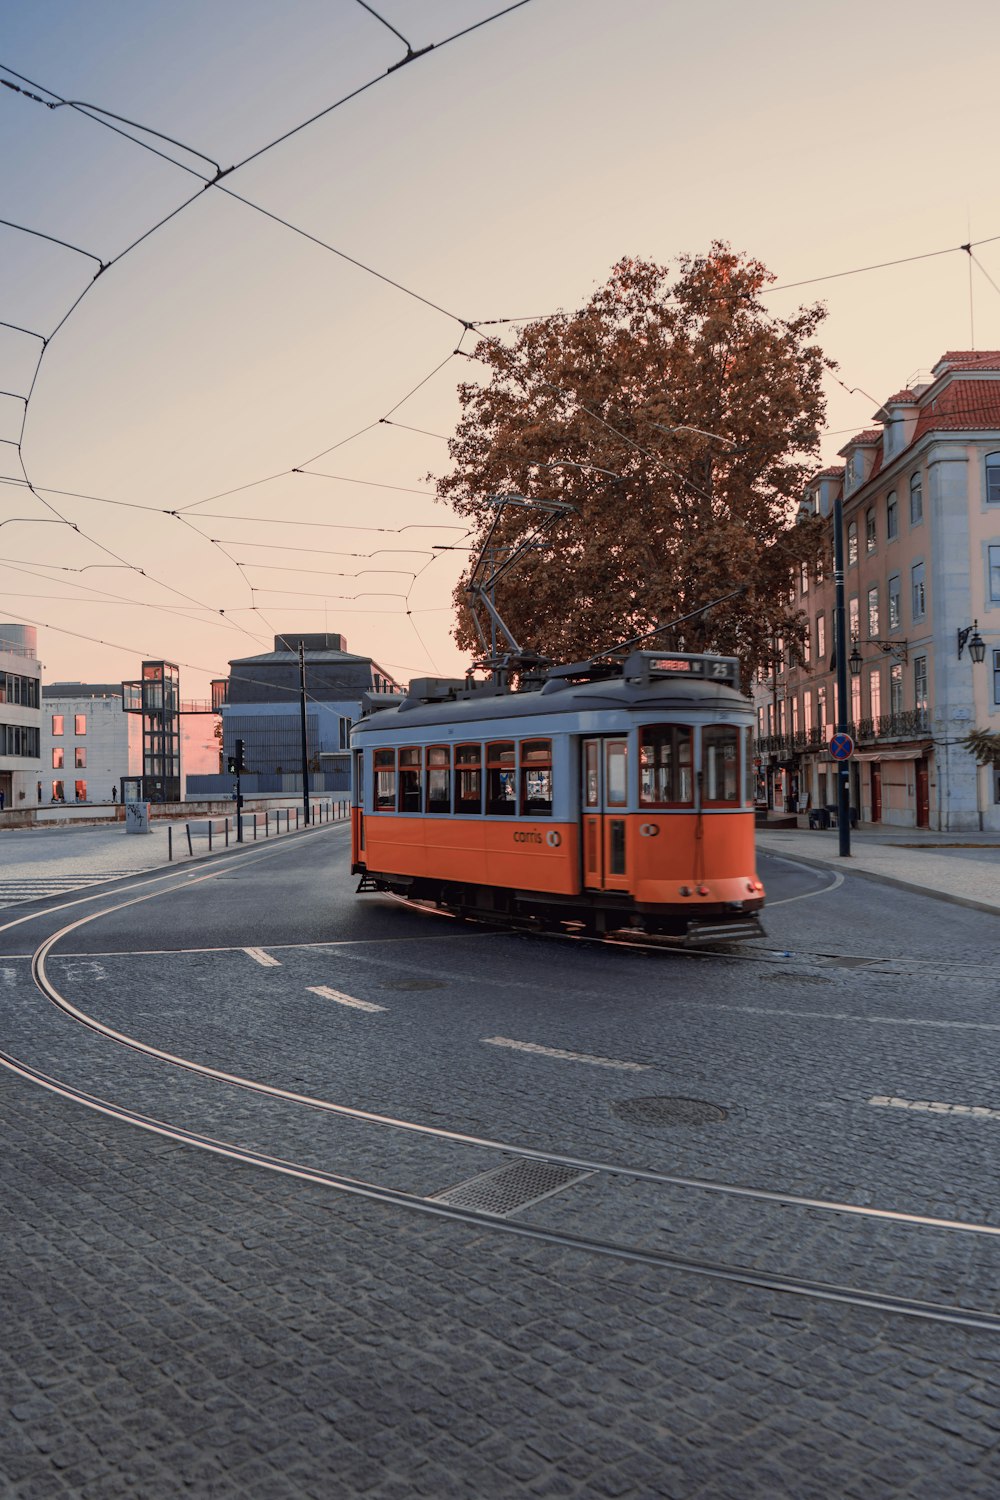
863, 439
905, 395
836, 472
963, 405
967, 356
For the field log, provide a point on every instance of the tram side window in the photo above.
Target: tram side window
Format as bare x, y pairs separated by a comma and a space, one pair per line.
438, 779
665, 771
720, 756
409, 780
501, 778
468, 779
385, 781
536, 778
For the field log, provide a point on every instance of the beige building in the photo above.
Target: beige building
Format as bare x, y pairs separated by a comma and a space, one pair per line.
921, 505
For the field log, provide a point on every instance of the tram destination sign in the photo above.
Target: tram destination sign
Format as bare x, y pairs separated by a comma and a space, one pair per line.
718, 668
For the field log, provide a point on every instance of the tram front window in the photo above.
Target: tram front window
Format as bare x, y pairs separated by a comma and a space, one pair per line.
720, 755
665, 772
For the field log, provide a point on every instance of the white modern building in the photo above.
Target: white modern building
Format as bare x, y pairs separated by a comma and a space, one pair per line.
87, 742
20, 716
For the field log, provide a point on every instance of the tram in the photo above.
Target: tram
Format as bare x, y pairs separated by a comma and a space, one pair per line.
605, 794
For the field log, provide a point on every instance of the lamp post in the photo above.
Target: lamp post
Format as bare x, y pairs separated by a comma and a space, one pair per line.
840, 650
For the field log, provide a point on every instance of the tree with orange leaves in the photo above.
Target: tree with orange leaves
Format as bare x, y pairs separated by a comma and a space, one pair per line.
680, 419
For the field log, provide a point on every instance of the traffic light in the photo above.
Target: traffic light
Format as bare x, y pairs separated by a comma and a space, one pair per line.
235, 763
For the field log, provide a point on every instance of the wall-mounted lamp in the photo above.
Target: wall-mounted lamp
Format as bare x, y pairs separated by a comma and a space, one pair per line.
898, 650
977, 646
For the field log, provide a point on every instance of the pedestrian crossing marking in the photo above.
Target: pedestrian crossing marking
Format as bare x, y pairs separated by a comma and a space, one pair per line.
36, 887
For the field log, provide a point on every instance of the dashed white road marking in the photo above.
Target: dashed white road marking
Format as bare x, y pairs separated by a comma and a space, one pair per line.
327, 994
581, 1057
260, 957
843, 1015
933, 1107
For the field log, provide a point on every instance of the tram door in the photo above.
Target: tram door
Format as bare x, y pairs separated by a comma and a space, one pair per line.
605, 797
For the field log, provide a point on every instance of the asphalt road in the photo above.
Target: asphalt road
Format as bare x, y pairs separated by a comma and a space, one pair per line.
194, 1320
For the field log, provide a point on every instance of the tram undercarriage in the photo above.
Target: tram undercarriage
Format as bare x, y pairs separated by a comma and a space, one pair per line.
596, 912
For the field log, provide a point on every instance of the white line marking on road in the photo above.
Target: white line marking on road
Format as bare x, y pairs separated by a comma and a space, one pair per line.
929, 1106
264, 959
825, 890
843, 1015
341, 999
582, 1057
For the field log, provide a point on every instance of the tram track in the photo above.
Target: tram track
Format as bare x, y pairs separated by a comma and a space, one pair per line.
767, 1280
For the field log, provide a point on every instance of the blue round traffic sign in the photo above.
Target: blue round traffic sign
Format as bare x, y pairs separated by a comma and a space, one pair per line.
841, 747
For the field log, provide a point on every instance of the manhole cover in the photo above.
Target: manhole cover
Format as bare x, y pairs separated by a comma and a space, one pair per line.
413, 984
669, 1111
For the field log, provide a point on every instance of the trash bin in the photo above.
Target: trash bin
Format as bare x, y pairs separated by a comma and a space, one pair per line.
819, 817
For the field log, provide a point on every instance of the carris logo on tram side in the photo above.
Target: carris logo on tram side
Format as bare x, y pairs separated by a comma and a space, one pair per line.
526, 836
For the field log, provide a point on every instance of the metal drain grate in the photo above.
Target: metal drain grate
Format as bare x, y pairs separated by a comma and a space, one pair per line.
506, 1190
669, 1111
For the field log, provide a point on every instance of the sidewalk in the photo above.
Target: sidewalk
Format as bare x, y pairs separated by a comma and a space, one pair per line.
959, 867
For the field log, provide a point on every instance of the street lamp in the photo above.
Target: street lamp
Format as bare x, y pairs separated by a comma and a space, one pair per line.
977, 646
898, 650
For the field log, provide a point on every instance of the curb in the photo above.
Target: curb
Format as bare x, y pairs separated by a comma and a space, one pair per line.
879, 878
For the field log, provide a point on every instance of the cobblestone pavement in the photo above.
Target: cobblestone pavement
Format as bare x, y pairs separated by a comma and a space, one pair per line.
179, 1323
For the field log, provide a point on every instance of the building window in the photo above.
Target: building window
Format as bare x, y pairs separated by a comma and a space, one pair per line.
821, 710
807, 709
79, 723
917, 595
891, 518
80, 791
996, 677
79, 758
993, 479
57, 723
894, 602
896, 689
873, 612
916, 500
995, 575
852, 544
794, 702
920, 682
804, 578
58, 791
820, 637
58, 758
875, 692
855, 700
854, 617
870, 534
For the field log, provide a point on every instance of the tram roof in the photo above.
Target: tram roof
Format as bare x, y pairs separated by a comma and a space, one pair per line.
558, 695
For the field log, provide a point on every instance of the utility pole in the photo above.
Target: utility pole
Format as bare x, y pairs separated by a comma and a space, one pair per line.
302, 721
840, 648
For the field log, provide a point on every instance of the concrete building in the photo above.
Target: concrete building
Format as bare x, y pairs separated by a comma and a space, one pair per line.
921, 500
88, 743
20, 716
262, 709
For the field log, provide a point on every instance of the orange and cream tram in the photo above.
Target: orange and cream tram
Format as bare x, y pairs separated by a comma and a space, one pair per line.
612, 795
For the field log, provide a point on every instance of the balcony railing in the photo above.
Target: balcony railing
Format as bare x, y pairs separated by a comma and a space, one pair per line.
913, 723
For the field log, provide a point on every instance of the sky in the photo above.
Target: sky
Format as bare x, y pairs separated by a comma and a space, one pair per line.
499, 175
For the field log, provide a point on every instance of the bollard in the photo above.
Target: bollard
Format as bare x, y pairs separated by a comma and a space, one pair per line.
296, 820
170, 842
227, 833
190, 845
209, 835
